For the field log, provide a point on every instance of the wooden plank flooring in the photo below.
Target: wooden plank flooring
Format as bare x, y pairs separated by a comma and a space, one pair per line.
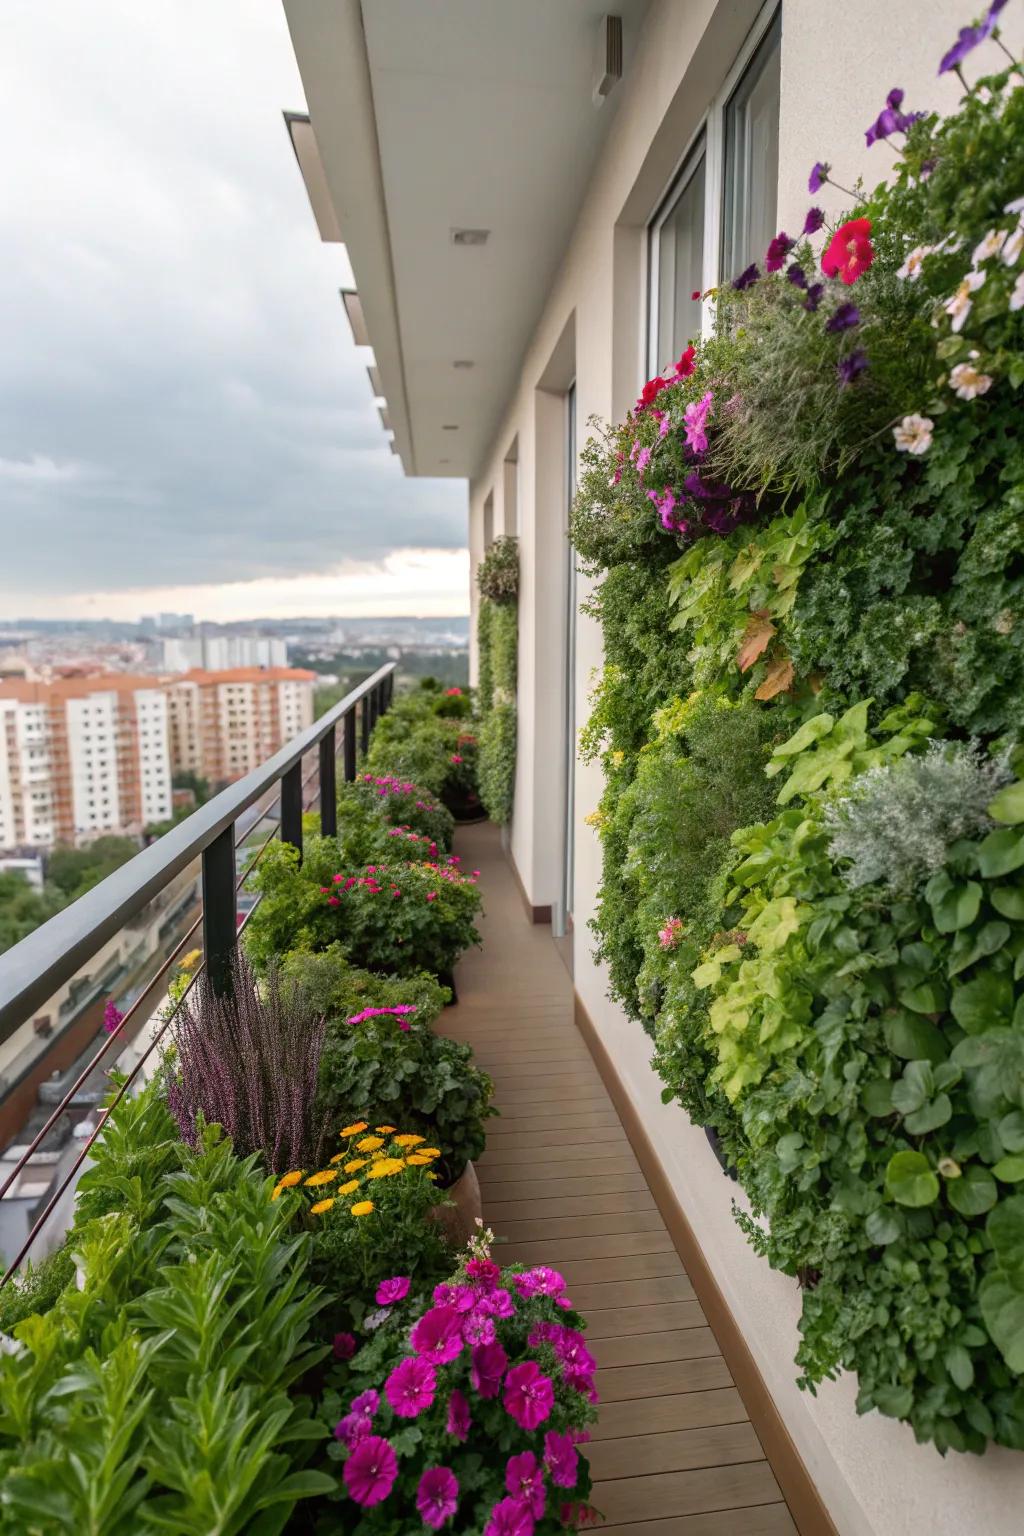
673, 1453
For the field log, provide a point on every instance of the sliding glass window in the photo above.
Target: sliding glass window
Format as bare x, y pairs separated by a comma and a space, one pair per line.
677, 263
751, 159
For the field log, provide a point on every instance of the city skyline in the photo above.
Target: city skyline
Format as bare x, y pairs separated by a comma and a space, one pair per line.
185, 421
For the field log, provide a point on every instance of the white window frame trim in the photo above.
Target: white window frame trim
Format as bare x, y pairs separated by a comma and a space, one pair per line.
709, 137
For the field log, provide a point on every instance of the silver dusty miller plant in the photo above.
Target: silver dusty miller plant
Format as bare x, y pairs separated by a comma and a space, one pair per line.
897, 823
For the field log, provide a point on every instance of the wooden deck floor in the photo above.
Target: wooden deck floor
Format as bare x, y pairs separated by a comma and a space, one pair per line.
673, 1453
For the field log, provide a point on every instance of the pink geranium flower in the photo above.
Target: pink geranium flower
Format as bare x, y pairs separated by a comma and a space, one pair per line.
437, 1496
524, 1479
390, 1291
695, 418
437, 1336
410, 1387
484, 1271
539, 1281
370, 1471
529, 1395
849, 252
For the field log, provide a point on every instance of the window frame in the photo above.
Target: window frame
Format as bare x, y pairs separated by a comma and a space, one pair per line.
708, 138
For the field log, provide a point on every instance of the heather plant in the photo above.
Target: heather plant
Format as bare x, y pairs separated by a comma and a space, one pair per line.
896, 825
392, 1065
472, 1419
249, 1060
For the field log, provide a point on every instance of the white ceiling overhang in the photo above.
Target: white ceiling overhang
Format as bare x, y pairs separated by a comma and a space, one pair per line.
431, 116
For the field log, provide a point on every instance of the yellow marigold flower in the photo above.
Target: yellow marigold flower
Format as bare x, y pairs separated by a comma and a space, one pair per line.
338, 1157
429, 1151
287, 1181
417, 1160
321, 1206
386, 1167
370, 1144
362, 1208
385, 1130
409, 1141
325, 1176
355, 1165
353, 1130
347, 1189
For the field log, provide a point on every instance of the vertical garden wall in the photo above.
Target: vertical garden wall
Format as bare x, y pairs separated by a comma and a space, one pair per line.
498, 648
808, 536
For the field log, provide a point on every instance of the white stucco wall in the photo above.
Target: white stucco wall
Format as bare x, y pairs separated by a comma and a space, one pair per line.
838, 62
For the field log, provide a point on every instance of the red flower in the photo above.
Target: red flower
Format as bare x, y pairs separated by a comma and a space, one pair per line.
850, 251
686, 364
650, 392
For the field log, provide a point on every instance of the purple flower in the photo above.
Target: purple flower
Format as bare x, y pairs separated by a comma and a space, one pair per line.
352, 1428
818, 176
778, 250
695, 421
885, 123
438, 1335
529, 1395
796, 275
746, 278
344, 1346
370, 1471
968, 39
497, 1303
524, 1479
112, 1018
367, 1402
478, 1328
460, 1297
814, 220
845, 317
410, 1387
488, 1367
850, 367
894, 98
813, 298
458, 1416
437, 1496
390, 1291
510, 1518
561, 1459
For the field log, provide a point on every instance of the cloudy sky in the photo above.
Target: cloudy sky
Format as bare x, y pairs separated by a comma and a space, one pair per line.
185, 422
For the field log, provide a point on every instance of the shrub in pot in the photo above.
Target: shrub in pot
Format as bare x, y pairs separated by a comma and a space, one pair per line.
400, 802
396, 1067
339, 990
470, 1420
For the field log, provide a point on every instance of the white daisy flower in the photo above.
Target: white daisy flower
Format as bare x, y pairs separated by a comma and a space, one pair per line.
914, 434
958, 306
911, 268
968, 381
990, 245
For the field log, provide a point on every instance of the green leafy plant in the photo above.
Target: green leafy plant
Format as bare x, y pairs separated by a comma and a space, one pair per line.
497, 575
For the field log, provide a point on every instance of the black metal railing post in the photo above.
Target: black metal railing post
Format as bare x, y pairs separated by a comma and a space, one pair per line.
220, 912
328, 786
291, 806
389, 689
364, 722
349, 746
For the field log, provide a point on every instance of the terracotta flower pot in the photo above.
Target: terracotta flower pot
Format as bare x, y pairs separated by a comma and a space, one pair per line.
460, 1217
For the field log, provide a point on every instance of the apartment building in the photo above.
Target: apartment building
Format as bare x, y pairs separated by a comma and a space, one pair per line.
531, 216
225, 723
80, 757
219, 653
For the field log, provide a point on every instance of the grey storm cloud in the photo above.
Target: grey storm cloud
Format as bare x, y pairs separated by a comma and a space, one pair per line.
180, 398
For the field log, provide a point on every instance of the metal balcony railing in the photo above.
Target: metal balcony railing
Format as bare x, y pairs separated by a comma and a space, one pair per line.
52, 956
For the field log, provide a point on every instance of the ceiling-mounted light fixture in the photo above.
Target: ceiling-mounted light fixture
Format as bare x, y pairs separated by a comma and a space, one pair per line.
463, 362
609, 57
356, 318
470, 236
449, 426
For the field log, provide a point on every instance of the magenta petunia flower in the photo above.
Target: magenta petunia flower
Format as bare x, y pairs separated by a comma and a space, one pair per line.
438, 1335
510, 1518
778, 250
561, 1459
524, 1479
458, 1416
367, 1402
540, 1281
390, 1291
497, 1303
344, 1346
458, 1296
370, 1471
488, 1368
437, 1496
410, 1387
478, 1328
529, 1395
352, 1428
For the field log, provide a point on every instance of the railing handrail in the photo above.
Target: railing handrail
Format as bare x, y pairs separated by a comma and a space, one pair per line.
36, 967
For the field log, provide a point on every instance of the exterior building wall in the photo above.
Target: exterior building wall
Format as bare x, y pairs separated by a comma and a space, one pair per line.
224, 724
836, 66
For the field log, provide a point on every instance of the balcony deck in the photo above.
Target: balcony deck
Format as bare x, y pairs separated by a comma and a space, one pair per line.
674, 1452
